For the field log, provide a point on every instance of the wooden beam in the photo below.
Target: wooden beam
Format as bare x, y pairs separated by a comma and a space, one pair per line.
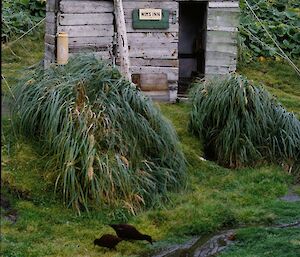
87, 30
122, 38
86, 7
85, 19
228, 4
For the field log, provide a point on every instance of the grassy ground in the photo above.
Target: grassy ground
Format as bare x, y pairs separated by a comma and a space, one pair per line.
266, 242
216, 198
279, 79
20, 55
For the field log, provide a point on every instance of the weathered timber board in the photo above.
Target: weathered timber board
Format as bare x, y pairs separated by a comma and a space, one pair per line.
152, 53
220, 59
147, 1
88, 48
152, 82
150, 4
224, 48
226, 10
156, 92
145, 37
222, 28
154, 62
96, 41
148, 43
101, 55
160, 93
225, 19
86, 6
228, 4
172, 73
159, 96
88, 30
221, 37
219, 69
86, 19
153, 44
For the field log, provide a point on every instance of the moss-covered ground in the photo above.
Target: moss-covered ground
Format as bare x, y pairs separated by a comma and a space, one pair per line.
215, 198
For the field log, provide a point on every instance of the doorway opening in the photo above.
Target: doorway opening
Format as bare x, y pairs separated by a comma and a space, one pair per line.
192, 42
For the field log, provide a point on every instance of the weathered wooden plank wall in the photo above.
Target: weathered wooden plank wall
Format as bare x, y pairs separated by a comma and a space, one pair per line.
89, 25
154, 50
221, 41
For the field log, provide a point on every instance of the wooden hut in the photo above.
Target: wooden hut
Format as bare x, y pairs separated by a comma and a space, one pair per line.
169, 41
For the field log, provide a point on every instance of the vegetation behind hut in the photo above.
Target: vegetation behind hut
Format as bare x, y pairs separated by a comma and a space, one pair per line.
280, 17
19, 16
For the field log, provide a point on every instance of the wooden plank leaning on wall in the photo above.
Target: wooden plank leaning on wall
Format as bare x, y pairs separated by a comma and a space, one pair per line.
221, 44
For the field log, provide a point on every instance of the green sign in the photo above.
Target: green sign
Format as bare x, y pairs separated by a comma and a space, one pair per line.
150, 19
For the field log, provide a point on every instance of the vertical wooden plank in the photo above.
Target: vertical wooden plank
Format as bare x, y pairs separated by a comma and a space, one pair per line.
122, 38
50, 32
221, 50
52, 5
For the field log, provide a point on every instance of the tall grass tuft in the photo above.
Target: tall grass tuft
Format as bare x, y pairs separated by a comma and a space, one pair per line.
241, 124
110, 144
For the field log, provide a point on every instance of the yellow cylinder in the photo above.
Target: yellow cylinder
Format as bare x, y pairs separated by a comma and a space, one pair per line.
62, 48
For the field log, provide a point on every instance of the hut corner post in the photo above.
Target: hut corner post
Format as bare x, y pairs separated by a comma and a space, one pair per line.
122, 39
52, 7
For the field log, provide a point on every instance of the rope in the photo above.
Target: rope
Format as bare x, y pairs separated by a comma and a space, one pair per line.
263, 43
274, 41
10, 43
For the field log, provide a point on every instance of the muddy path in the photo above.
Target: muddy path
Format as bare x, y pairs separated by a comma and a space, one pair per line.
211, 245
198, 246
206, 246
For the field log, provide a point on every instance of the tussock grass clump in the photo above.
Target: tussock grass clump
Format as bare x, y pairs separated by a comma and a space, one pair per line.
241, 124
110, 144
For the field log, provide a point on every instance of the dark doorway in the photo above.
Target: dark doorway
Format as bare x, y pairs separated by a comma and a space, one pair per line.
191, 46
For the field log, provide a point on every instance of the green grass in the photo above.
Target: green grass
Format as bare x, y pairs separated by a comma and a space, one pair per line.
297, 189
279, 79
24, 53
265, 242
216, 198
